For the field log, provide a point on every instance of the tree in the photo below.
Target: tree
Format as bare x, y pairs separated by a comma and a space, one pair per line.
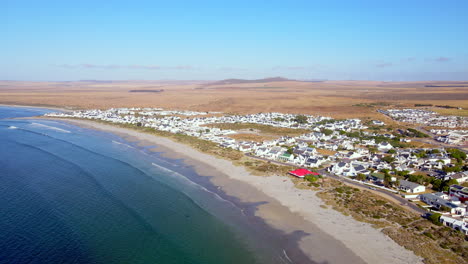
436, 184
435, 151
388, 159
301, 119
391, 151
372, 149
327, 132
139, 124
416, 178
421, 154
455, 168
387, 180
457, 154
402, 173
355, 134
385, 171
397, 182
361, 177
445, 186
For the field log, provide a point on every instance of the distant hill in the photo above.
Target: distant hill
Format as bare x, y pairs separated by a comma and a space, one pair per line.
95, 81
240, 81
146, 91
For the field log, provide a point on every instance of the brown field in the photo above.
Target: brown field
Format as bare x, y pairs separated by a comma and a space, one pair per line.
417, 144
456, 112
338, 99
326, 152
258, 133
261, 129
252, 137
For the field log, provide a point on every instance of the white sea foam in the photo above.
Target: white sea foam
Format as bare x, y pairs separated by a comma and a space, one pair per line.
123, 144
287, 257
50, 127
12, 127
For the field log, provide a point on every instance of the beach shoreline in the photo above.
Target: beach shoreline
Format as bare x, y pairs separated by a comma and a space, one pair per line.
327, 236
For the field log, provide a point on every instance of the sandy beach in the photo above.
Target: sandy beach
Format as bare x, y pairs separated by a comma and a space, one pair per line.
325, 235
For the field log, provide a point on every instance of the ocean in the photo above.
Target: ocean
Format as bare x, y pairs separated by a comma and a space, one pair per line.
75, 195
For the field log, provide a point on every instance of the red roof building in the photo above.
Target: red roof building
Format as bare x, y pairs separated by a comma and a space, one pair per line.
301, 173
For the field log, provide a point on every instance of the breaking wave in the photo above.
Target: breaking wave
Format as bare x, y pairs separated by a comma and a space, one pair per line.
50, 127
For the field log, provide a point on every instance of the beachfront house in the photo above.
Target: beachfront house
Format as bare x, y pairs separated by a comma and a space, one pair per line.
245, 147
411, 187
379, 177
300, 159
274, 153
262, 151
286, 157
456, 224
348, 169
442, 204
315, 161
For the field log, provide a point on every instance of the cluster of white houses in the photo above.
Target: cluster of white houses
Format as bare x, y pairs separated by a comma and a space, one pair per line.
147, 111
452, 137
352, 156
361, 160
453, 205
425, 117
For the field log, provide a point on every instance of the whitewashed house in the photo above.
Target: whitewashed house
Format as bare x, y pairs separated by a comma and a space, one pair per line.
439, 203
411, 187
384, 146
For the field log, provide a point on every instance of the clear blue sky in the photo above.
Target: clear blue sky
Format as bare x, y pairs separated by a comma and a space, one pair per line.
207, 40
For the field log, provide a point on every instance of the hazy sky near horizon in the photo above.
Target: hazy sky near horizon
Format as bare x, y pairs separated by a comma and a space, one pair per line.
206, 40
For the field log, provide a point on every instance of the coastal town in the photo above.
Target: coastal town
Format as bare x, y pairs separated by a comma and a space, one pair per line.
369, 152
234, 132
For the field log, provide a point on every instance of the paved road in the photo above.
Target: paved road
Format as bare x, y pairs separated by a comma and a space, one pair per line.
386, 194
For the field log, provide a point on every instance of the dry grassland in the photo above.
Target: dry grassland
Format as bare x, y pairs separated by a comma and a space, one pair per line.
326, 152
330, 98
261, 129
455, 112
252, 137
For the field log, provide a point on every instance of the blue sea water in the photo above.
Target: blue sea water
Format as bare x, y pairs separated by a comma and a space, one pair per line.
74, 195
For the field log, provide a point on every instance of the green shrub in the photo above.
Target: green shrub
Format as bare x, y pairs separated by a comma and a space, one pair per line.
434, 218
